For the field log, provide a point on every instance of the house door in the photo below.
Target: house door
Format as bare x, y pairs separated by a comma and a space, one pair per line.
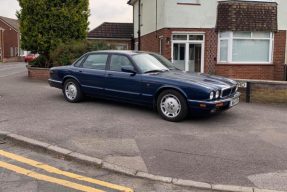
194, 57
188, 52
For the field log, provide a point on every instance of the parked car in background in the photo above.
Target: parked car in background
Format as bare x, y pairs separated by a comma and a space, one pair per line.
30, 57
147, 79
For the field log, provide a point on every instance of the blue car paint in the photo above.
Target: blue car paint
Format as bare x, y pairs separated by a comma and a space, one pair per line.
142, 88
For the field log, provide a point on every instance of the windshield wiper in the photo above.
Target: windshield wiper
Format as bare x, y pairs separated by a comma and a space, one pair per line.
156, 70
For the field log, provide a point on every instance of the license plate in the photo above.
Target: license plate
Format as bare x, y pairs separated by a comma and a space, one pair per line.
234, 101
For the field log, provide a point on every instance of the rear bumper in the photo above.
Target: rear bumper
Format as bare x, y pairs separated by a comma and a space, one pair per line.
214, 106
55, 83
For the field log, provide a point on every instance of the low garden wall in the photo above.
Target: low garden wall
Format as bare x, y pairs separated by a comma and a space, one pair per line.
38, 73
260, 91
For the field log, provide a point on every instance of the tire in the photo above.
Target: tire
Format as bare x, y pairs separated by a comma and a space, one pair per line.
172, 106
72, 91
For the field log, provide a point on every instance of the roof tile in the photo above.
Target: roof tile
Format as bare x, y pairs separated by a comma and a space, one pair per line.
112, 30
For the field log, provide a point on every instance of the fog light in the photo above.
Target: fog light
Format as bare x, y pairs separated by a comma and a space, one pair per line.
219, 105
202, 105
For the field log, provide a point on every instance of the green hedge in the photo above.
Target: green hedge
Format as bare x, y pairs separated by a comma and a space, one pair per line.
66, 54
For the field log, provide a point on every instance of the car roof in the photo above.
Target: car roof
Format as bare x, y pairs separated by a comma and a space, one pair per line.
125, 52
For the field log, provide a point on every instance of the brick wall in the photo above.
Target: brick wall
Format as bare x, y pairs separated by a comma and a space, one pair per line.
150, 42
10, 38
38, 73
275, 71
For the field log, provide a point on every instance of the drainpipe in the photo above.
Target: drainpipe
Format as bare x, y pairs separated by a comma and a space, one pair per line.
156, 33
156, 5
139, 27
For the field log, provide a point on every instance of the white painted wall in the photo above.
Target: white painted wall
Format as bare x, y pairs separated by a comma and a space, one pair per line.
148, 23
172, 15
135, 18
191, 16
282, 14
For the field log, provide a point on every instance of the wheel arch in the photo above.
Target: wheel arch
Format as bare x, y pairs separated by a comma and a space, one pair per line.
163, 88
70, 77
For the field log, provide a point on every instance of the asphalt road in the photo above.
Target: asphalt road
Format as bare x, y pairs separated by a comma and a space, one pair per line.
246, 145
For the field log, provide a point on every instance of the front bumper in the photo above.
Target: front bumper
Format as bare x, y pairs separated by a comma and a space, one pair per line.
214, 106
55, 83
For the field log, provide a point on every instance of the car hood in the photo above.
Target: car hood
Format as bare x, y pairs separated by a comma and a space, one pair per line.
202, 79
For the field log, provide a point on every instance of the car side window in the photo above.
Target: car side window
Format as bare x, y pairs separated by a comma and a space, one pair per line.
96, 61
78, 63
119, 61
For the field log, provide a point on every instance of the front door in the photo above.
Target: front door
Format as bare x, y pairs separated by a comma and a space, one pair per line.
188, 52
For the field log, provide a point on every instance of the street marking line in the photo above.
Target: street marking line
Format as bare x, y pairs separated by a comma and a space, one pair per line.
54, 170
46, 178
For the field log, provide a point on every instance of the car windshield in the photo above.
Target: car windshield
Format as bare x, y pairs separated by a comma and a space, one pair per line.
152, 62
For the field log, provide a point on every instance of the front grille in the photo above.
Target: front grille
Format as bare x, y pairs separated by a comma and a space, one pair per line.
228, 92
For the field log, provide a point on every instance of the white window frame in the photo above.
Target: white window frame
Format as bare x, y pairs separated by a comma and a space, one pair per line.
187, 42
230, 39
196, 2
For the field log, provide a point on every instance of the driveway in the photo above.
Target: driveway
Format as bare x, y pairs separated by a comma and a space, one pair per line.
246, 145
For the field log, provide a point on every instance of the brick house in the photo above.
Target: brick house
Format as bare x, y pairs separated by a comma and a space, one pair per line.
233, 38
10, 37
117, 35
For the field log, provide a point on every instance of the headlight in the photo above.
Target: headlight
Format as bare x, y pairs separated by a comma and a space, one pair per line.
217, 94
236, 88
211, 96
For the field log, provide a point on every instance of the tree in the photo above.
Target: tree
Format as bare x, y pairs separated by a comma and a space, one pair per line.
44, 24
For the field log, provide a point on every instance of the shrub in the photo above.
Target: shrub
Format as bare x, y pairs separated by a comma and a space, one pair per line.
41, 61
66, 54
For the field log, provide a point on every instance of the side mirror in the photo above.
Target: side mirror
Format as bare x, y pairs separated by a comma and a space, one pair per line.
128, 69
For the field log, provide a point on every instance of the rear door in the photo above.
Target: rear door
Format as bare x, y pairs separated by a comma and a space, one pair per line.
92, 73
122, 85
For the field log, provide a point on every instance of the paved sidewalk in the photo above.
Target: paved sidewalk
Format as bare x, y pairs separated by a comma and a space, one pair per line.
244, 146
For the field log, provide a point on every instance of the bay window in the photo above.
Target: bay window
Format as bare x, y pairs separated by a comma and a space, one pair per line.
245, 47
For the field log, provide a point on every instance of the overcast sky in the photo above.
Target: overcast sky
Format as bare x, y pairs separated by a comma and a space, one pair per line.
101, 11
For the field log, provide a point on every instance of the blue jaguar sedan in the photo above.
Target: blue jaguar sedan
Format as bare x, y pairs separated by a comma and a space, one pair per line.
147, 79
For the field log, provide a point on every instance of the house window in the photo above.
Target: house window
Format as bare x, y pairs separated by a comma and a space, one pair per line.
195, 2
245, 47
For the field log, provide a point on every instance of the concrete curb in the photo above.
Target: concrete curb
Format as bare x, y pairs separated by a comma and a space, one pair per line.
70, 155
